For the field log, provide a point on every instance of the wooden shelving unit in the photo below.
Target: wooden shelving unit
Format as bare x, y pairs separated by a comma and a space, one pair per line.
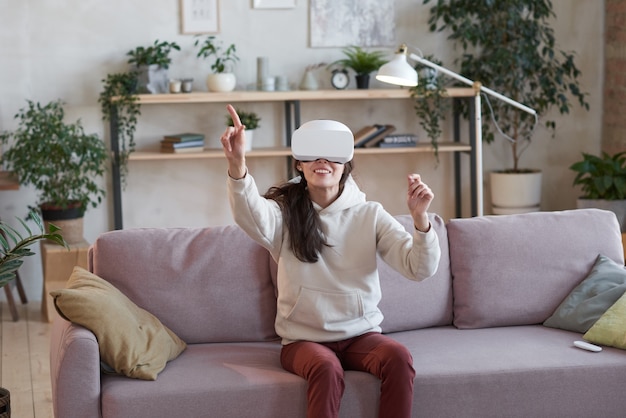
292, 101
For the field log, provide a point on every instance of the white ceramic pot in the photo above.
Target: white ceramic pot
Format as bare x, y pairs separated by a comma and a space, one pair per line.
221, 82
249, 136
516, 190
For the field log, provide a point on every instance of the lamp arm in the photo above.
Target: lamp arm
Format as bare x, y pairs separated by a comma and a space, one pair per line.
469, 82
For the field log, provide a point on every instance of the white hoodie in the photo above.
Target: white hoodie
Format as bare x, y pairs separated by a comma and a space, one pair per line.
337, 297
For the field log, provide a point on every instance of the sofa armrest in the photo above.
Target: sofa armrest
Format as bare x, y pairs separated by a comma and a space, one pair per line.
74, 370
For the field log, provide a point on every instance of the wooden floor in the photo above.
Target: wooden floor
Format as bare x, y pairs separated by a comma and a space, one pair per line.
25, 364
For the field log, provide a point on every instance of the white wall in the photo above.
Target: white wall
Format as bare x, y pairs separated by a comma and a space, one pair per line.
53, 49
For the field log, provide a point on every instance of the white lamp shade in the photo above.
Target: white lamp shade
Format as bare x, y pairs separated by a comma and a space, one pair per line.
398, 72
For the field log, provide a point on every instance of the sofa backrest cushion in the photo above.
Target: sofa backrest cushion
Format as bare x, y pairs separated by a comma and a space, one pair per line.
516, 269
407, 304
205, 284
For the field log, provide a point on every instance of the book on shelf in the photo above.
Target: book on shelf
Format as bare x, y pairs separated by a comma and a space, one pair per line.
182, 150
184, 137
186, 144
376, 139
371, 132
364, 134
398, 140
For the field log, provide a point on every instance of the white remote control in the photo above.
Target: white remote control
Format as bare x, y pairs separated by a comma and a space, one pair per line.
588, 346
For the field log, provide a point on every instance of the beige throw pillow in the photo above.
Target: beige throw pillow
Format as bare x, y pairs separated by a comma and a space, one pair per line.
132, 341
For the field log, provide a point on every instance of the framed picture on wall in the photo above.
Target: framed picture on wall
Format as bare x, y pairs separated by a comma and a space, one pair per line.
199, 16
365, 23
273, 4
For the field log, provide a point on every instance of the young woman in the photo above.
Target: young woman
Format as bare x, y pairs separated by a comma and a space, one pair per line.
324, 236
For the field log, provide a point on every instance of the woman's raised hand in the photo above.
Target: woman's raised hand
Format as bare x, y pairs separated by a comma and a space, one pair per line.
234, 145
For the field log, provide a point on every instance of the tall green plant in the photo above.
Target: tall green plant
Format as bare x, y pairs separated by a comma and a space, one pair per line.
509, 46
11, 255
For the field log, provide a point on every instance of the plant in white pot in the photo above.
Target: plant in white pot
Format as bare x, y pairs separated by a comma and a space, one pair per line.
222, 79
60, 160
510, 47
250, 120
152, 65
603, 183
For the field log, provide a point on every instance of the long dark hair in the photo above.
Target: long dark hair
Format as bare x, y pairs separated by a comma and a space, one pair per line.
306, 238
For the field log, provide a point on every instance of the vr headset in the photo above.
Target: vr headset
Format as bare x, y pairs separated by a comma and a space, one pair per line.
327, 139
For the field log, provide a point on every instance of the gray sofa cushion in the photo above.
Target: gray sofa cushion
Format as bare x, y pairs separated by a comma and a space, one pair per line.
413, 305
201, 285
604, 285
516, 269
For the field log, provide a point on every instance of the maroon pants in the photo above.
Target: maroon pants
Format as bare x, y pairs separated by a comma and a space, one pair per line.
323, 365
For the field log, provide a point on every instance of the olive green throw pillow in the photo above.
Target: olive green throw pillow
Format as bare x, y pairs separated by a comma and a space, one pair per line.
610, 329
584, 305
132, 341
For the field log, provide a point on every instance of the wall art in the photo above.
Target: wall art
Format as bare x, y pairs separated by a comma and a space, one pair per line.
364, 23
199, 16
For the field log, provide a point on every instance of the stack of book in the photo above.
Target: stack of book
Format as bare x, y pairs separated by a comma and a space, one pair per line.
398, 140
185, 142
371, 135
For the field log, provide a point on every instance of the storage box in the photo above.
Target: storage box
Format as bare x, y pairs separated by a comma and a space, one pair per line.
58, 263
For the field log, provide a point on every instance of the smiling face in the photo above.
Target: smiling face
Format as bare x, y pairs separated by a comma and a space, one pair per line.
322, 177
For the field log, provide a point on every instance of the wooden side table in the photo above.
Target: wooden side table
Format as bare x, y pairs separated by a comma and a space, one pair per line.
57, 264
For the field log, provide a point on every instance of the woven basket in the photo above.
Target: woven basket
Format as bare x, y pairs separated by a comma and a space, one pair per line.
5, 403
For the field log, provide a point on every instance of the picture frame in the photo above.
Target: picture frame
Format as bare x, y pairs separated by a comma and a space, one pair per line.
199, 17
273, 4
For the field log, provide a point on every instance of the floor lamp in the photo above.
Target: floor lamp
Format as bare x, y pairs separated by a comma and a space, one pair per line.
399, 72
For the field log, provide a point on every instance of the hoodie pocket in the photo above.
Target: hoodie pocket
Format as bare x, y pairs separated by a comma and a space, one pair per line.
330, 311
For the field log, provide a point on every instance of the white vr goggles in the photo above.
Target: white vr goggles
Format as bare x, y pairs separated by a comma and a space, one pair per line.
327, 139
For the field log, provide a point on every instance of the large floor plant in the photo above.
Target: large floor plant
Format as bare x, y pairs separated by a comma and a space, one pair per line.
509, 46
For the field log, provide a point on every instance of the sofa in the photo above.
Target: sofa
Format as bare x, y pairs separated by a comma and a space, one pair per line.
475, 329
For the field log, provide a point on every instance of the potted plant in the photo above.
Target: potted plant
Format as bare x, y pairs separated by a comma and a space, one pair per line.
11, 259
120, 106
222, 78
603, 183
11, 256
60, 160
250, 120
152, 63
511, 49
362, 62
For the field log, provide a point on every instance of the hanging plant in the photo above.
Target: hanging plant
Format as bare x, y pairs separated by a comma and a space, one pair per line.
431, 104
119, 103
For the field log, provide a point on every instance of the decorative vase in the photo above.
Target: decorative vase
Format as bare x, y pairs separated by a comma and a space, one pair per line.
152, 79
515, 192
362, 81
221, 82
309, 82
